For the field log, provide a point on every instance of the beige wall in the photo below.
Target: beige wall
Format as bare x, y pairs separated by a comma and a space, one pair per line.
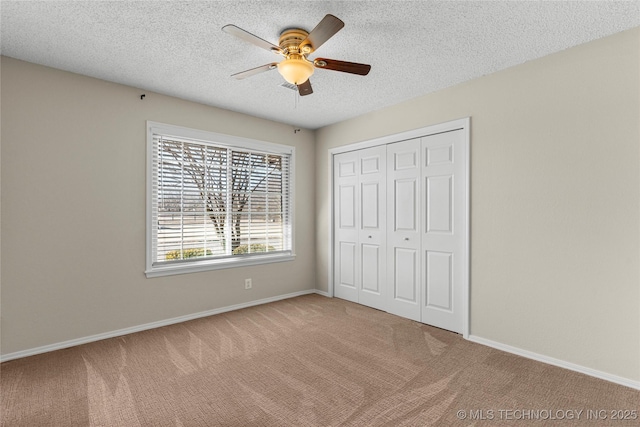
555, 200
73, 209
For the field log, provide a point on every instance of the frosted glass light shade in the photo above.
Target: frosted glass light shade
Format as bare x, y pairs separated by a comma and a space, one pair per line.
295, 71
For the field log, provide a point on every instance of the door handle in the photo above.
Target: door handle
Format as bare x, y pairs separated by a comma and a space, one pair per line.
406, 238
369, 236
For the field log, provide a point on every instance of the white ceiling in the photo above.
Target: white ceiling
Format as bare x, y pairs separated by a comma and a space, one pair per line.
414, 47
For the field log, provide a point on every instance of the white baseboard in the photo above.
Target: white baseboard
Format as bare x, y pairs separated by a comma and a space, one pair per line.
557, 362
323, 293
152, 325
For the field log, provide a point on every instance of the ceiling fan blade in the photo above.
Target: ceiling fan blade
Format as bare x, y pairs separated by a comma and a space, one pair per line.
248, 37
305, 88
344, 66
248, 73
323, 32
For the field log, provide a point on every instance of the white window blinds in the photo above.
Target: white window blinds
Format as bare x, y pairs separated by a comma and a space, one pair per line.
214, 202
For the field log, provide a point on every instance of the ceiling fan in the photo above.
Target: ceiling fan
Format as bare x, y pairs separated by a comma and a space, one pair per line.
296, 45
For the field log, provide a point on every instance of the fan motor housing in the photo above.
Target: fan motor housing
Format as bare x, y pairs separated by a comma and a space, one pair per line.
290, 40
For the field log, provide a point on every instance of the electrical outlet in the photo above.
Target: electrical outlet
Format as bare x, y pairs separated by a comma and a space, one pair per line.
247, 284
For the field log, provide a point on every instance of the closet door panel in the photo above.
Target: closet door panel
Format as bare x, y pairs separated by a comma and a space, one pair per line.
439, 280
372, 235
370, 205
439, 204
405, 204
347, 268
346, 216
403, 235
359, 224
444, 229
370, 269
405, 280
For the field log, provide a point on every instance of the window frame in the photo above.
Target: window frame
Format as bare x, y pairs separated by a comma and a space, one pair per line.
221, 140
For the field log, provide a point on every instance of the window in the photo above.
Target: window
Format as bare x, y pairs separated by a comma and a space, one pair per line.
215, 201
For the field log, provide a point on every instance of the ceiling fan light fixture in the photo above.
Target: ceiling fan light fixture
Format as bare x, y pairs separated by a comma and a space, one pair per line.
295, 71
295, 44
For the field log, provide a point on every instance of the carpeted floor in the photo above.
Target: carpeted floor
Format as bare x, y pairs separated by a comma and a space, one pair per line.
307, 361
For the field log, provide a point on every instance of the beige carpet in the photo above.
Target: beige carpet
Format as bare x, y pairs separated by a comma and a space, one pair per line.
307, 361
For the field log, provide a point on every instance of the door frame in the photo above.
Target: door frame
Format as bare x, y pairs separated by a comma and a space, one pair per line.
459, 124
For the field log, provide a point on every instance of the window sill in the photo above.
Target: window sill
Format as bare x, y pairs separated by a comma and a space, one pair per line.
195, 267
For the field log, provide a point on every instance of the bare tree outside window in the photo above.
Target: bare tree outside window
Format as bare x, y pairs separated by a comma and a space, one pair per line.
217, 201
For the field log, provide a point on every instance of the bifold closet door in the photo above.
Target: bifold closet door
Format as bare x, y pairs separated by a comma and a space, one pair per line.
400, 224
444, 229
426, 237
359, 224
403, 229
346, 211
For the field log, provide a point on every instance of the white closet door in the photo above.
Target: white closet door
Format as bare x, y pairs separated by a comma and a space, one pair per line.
372, 232
444, 229
346, 253
403, 235
360, 221
401, 227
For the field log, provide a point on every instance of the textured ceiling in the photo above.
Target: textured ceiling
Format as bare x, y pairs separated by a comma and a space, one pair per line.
414, 48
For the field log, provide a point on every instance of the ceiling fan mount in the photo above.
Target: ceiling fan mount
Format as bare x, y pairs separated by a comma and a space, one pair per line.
291, 39
295, 45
